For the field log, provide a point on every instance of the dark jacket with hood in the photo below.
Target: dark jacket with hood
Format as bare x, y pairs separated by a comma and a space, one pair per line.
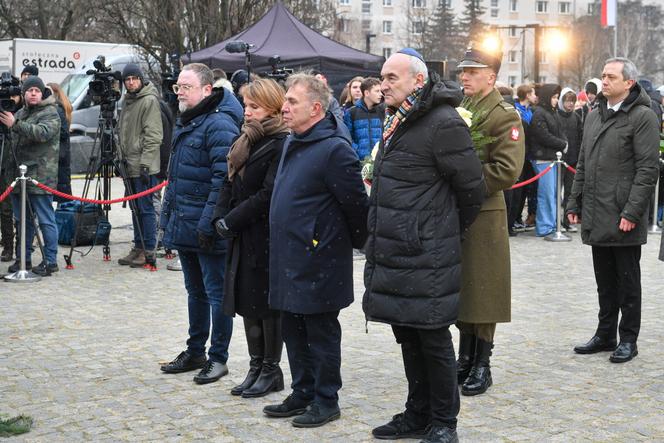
572, 130
545, 135
427, 189
318, 214
197, 170
617, 171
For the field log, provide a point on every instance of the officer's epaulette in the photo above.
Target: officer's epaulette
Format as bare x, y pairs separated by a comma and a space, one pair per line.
507, 106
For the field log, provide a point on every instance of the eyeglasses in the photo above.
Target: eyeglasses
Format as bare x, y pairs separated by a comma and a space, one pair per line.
185, 88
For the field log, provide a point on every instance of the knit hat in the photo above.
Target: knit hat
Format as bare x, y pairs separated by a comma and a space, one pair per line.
132, 70
30, 69
33, 82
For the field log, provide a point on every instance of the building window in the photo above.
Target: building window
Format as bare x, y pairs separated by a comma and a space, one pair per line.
366, 25
542, 7
513, 5
565, 7
418, 27
387, 27
541, 79
366, 7
494, 13
387, 52
494, 3
593, 8
511, 56
344, 2
512, 31
511, 80
343, 25
543, 57
387, 2
419, 3
445, 3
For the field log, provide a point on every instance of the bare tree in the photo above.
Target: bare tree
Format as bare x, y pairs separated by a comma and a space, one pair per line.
55, 19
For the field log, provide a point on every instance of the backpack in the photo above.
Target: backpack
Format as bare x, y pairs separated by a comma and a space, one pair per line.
167, 140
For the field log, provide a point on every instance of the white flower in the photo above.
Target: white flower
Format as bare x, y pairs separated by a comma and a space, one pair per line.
466, 115
374, 151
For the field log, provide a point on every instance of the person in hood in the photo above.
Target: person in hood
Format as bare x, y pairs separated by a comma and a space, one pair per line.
318, 214
427, 189
572, 130
486, 284
546, 137
35, 131
591, 88
140, 136
210, 120
616, 172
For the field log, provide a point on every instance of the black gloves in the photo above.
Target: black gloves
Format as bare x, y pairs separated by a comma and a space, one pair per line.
145, 175
206, 242
222, 229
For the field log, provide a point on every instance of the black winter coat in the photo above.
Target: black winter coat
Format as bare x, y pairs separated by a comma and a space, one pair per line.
545, 135
572, 130
617, 171
427, 189
244, 204
318, 214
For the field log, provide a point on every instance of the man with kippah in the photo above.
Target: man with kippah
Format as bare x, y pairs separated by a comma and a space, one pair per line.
427, 189
35, 131
486, 282
140, 137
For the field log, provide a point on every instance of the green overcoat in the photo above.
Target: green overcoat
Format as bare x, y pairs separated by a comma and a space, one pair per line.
485, 260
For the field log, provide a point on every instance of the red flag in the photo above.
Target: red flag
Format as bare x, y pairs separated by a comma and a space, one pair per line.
609, 12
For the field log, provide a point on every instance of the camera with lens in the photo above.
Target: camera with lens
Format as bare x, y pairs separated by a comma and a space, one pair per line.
169, 78
101, 88
279, 74
9, 87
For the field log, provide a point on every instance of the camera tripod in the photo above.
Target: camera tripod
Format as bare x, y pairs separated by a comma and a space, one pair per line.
105, 160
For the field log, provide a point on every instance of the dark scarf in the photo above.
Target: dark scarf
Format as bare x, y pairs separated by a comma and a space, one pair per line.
207, 105
252, 132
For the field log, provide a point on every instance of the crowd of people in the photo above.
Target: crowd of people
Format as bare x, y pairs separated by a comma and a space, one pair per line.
265, 205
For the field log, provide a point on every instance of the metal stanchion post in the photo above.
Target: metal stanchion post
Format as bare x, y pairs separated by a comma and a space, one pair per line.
558, 235
654, 229
22, 275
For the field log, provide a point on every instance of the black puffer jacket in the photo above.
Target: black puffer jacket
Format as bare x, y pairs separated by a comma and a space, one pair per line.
545, 135
427, 188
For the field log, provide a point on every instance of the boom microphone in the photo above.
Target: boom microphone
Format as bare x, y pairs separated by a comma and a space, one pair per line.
237, 46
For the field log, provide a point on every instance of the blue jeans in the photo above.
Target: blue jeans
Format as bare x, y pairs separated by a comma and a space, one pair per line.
42, 206
545, 220
204, 280
144, 214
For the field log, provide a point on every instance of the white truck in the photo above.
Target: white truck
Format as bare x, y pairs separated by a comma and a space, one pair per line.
54, 58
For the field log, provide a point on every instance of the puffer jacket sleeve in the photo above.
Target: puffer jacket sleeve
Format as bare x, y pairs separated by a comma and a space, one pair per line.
646, 161
459, 165
343, 179
220, 133
348, 121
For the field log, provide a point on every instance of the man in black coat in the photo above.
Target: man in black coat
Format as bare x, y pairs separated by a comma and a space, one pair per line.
616, 172
427, 190
318, 214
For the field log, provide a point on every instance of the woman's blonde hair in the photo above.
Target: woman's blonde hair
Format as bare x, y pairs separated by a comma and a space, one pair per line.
61, 98
349, 97
267, 93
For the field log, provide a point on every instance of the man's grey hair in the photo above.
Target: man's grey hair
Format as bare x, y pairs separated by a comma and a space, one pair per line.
203, 73
629, 71
417, 66
317, 91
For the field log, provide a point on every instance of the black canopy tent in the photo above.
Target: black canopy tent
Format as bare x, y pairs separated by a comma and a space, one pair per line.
278, 32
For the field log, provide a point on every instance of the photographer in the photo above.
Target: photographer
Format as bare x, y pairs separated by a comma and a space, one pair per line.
35, 132
6, 177
140, 136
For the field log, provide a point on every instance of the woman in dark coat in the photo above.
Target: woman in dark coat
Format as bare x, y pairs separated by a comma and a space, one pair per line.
64, 160
242, 216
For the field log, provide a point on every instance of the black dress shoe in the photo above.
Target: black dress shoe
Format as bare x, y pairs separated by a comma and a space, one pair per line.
595, 345
316, 416
287, 408
624, 352
211, 372
478, 381
400, 427
184, 363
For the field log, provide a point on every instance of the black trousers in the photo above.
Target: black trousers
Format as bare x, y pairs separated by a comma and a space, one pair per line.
313, 344
618, 277
430, 365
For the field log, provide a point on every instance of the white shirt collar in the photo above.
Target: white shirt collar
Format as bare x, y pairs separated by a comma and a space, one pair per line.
616, 106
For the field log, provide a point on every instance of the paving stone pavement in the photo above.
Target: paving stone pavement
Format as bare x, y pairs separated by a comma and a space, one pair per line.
80, 352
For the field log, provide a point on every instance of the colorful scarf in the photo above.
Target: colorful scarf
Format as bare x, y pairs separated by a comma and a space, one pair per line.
394, 117
252, 132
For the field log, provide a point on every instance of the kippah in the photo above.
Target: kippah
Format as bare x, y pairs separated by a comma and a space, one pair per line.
412, 52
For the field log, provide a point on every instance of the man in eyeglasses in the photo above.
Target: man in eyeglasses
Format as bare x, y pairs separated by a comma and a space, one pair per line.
140, 137
210, 119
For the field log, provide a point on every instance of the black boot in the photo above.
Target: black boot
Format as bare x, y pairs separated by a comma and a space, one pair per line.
7, 252
253, 329
466, 356
271, 379
479, 379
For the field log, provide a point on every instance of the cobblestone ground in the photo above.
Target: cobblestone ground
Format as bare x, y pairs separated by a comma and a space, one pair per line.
80, 353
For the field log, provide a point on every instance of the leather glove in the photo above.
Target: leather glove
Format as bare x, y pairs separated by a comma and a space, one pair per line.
206, 242
222, 229
145, 175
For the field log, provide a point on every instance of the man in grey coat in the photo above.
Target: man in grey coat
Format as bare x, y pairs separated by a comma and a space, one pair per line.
616, 173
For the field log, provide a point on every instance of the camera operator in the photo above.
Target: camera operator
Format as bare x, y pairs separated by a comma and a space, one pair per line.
140, 136
6, 177
35, 132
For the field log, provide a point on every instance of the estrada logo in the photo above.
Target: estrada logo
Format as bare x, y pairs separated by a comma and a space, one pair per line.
40, 62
